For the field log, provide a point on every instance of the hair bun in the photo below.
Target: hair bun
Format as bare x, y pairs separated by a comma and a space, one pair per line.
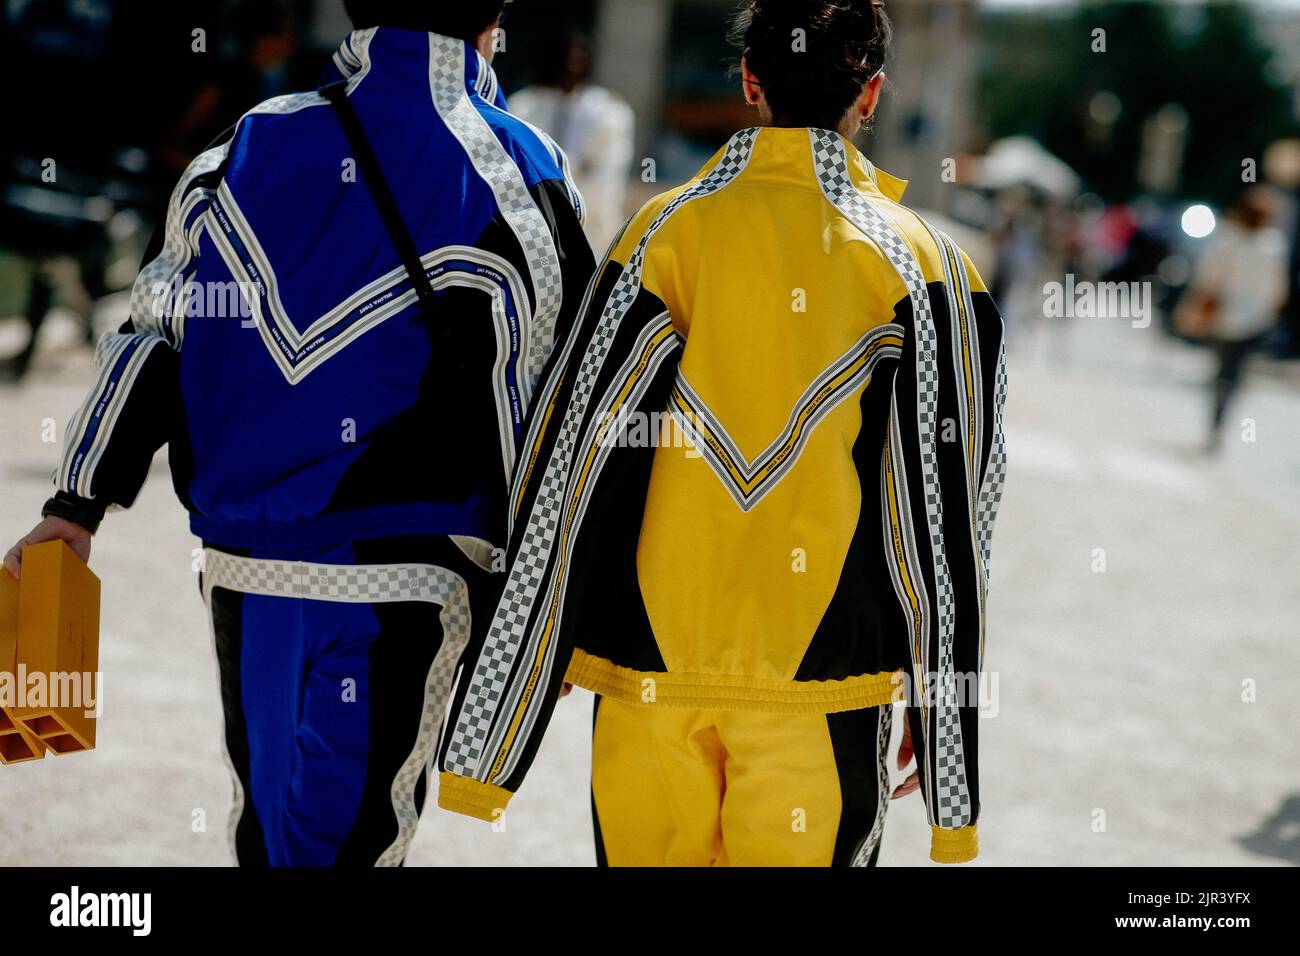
813, 78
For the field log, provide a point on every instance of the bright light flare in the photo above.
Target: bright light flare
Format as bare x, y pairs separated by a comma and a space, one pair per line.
1198, 221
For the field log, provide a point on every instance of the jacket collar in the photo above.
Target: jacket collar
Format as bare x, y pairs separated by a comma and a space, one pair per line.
391, 50
783, 152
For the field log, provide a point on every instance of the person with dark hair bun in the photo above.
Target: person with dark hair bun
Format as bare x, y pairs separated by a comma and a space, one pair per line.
758, 509
813, 63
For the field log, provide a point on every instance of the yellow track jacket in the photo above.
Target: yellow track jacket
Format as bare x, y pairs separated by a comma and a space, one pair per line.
762, 474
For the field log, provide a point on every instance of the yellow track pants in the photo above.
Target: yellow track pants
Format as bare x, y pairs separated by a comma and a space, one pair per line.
679, 787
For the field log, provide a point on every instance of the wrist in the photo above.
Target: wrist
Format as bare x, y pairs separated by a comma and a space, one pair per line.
86, 512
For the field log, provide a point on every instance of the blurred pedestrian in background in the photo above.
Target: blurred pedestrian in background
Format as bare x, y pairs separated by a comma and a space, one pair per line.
267, 39
51, 214
1236, 292
593, 125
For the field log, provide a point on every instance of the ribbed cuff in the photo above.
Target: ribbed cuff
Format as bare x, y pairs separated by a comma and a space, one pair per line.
484, 801
954, 846
86, 512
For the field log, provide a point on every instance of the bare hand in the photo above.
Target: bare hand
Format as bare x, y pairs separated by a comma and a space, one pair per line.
905, 752
50, 529
566, 690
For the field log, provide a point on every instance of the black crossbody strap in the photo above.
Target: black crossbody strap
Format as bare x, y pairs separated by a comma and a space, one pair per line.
400, 235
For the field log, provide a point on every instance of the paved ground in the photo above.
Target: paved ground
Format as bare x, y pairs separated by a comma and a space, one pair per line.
1121, 738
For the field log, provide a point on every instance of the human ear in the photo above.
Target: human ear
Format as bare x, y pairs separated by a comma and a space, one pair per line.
749, 84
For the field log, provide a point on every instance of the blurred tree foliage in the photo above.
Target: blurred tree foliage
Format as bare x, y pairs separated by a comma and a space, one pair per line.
1038, 74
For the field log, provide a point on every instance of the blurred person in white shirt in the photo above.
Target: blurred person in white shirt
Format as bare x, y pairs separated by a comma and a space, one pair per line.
593, 125
1237, 292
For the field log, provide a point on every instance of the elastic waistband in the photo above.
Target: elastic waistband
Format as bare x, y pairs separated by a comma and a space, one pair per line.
472, 519
733, 692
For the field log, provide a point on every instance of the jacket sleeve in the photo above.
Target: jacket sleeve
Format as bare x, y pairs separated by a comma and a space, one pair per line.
133, 407
620, 361
111, 439
560, 204
941, 480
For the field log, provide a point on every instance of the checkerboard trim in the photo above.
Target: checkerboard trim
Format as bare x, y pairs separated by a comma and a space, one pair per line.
474, 733
495, 166
369, 584
952, 806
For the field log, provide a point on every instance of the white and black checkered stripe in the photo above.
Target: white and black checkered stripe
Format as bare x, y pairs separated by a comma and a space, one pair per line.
995, 476
562, 160
884, 726
488, 681
338, 583
957, 307
507, 702
957, 288
552, 384
746, 500
452, 596
597, 447
366, 584
985, 497
491, 161
830, 161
